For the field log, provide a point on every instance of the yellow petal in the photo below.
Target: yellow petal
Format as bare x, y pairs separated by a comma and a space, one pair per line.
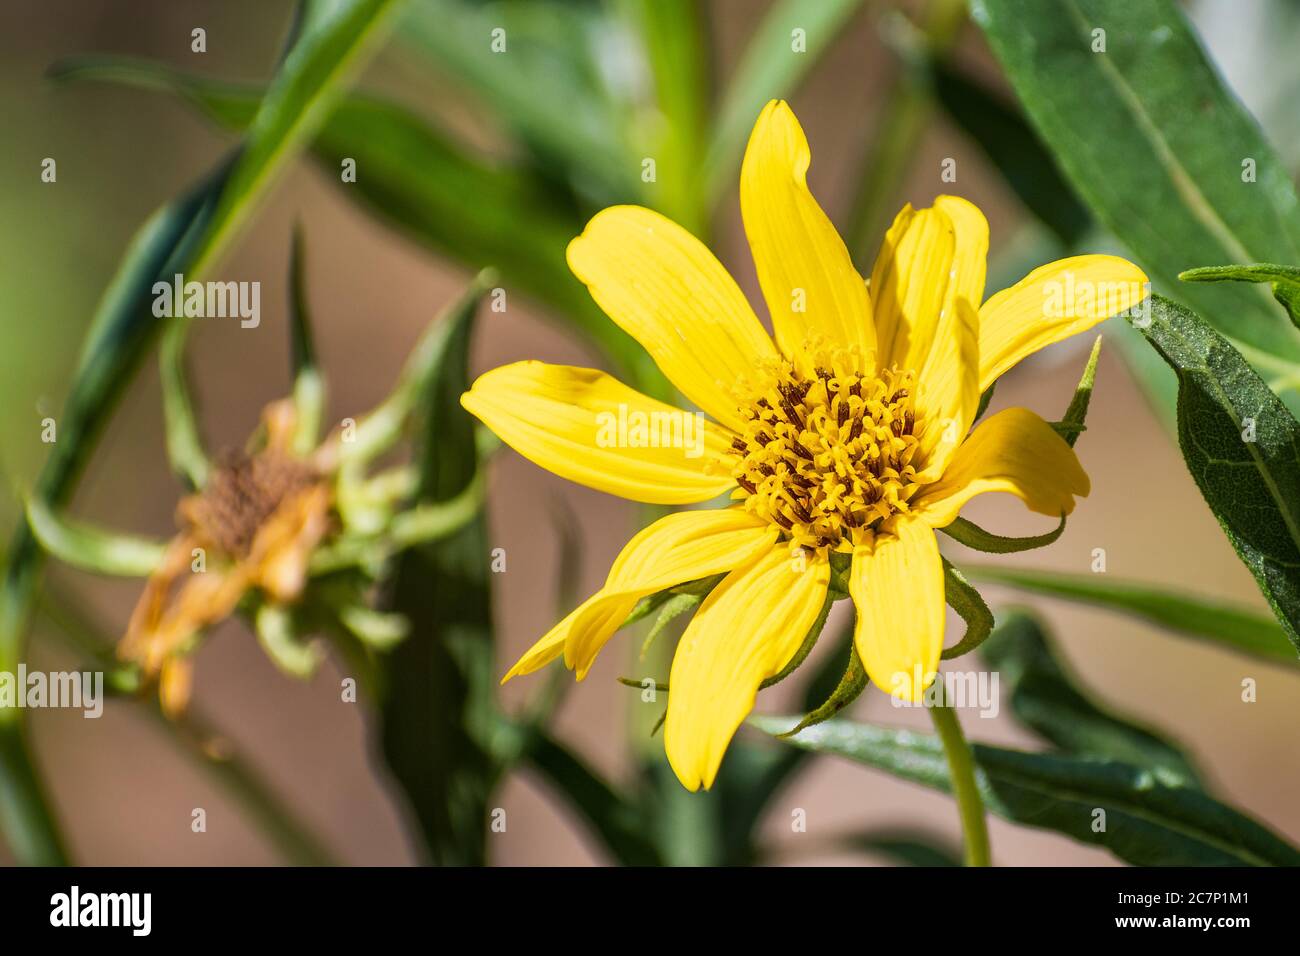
970, 248
747, 630
588, 427
1053, 302
948, 393
1014, 451
678, 548
663, 287
909, 285
803, 266
896, 583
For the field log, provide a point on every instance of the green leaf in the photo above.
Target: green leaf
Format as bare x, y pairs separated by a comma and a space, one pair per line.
966, 601
1242, 446
669, 611
333, 39
278, 636
653, 602
850, 687
185, 449
1150, 818
1152, 141
973, 536
1256, 634
610, 814
91, 549
1071, 425
1283, 280
308, 383
419, 180
1014, 148
374, 629
770, 68
1046, 697
438, 702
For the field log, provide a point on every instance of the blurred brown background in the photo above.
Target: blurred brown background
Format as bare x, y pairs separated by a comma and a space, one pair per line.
125, 792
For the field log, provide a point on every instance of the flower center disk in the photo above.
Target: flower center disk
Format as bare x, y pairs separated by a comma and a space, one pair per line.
823, 456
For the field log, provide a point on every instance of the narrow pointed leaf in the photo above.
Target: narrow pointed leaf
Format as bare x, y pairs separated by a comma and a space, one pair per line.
420, 180
968, 603
967, 532
1242, 446
438, 701
91, 549
1283, 280
308, 384
1236, 628
1168, 159
1072, 424
850, 687
1150, 818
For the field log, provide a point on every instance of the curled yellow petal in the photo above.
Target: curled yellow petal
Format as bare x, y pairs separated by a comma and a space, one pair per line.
664, 287
909, 285
675, 549
589, 427
1052, 303
1014, 451
747, 630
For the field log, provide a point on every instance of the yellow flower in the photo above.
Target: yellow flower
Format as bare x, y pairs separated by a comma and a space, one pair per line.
256, 523
847, 434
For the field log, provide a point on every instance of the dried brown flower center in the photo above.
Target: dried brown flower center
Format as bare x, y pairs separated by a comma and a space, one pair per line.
242, 493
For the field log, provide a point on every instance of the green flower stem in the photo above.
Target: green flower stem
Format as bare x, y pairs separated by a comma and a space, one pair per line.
961, 766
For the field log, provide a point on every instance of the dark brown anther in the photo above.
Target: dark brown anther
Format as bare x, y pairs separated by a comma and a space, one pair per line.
740, 445
856, 430
799, 450
782, 520
856, 388
792, 414
842, 414
802, 512
747, 485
